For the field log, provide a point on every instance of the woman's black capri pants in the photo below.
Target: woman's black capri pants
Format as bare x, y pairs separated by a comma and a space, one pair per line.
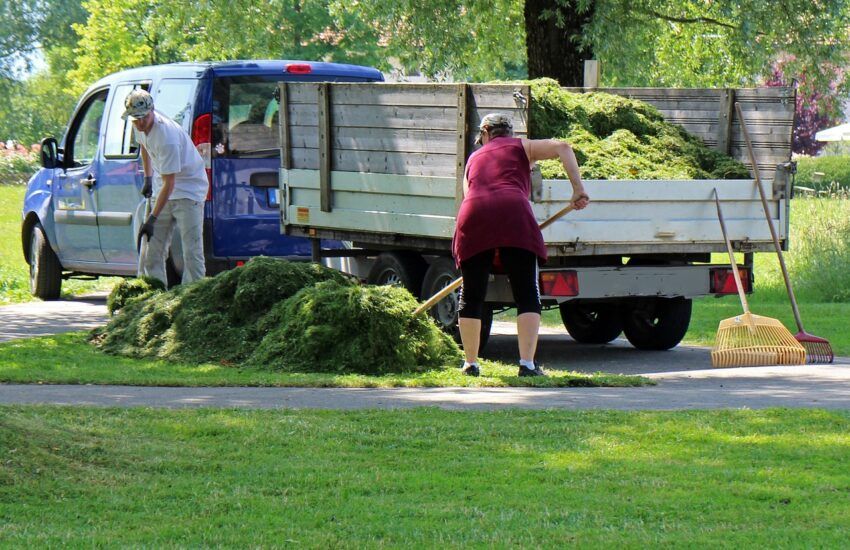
520, 266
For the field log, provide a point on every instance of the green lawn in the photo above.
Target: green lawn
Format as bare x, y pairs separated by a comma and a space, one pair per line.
93, 477
69, 359
14, 271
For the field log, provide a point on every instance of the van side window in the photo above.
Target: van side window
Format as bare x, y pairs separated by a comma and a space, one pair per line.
245, 117
85, 131
174, 98
120, 140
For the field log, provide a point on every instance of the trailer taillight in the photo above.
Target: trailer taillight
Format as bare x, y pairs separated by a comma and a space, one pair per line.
723, 280
202, 138
298, 68
559, 283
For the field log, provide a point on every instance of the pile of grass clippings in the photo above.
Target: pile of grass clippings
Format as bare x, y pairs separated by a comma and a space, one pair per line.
132, 290
620, 138
332, 327
274, 314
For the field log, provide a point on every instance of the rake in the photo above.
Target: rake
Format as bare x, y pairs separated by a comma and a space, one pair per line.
750, 340
818, 350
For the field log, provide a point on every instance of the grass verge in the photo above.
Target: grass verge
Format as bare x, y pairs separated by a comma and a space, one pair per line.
423, 478
69, 359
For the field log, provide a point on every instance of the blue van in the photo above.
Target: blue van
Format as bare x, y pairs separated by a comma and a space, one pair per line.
83, 209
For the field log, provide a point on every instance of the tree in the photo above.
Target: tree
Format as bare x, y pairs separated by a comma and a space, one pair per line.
554, 39
464, 39
119, 34
719, 42
32, 106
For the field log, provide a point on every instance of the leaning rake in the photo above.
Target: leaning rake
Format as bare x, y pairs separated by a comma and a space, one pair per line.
750, 340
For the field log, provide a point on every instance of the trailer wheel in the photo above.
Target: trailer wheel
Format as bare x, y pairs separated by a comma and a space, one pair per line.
392, 268
657, 323
591, 323
45, 269
440, 274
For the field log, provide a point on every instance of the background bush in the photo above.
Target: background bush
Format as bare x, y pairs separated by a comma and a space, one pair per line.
835, 169
17, 168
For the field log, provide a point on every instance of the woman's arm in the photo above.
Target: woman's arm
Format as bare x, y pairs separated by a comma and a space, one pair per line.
544, 149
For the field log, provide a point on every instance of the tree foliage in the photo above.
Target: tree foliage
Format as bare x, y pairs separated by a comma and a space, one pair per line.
713, 43
676, 43
467, 39
122, 33
40, 104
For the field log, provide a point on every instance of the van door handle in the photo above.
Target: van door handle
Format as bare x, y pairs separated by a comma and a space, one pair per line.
89, 181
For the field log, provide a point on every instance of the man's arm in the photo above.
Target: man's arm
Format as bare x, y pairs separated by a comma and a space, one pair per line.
146, 162
164, 193
544, 149
147, 186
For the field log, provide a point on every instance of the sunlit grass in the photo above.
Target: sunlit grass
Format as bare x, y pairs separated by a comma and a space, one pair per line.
423, 478
69, 359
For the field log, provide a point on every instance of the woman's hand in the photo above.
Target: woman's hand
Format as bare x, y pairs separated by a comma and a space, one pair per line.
580, 198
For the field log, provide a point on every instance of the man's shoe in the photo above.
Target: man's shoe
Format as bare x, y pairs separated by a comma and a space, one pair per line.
525, 371
471, 370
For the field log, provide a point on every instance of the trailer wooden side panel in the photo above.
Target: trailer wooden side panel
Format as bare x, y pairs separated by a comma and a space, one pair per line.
382, 163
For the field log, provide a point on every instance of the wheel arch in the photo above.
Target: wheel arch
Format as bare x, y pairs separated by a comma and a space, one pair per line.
26, 233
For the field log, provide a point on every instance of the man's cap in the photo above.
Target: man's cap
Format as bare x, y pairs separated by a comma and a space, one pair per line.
137, 104
494, 120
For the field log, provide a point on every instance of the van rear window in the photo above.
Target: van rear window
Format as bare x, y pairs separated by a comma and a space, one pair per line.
245, 117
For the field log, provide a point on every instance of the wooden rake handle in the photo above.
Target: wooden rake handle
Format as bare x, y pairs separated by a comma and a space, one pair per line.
720, 218
773, 234
451, 287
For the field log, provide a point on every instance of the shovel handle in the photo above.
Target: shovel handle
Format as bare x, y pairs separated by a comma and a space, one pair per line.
451, 287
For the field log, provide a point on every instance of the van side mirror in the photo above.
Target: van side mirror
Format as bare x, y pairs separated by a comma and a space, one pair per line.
49, 153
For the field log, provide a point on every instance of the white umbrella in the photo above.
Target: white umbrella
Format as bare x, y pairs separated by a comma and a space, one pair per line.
837, 133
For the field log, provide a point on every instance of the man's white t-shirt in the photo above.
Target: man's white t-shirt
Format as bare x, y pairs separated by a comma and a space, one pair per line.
172, 152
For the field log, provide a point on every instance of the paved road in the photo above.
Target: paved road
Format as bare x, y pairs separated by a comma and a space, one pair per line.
684, 377
827, 387
42, 318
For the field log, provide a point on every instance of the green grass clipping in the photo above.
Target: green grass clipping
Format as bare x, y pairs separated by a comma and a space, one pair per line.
277, 315
617, 138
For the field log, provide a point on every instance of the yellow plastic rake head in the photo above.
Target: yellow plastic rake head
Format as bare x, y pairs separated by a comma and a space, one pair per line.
752, 340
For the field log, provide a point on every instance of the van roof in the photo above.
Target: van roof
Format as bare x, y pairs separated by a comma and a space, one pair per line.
236, 68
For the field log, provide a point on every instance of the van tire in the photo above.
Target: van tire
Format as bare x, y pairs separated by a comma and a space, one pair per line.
45, 270
591, 323
657, 323
404, 268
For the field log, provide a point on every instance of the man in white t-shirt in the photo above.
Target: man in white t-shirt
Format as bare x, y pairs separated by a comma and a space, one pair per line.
168, 151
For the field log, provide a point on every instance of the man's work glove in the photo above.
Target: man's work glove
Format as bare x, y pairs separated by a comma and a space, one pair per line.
147, 228
147, 187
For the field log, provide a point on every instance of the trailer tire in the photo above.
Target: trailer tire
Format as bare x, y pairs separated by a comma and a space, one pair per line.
657, 323
45, 270
591, 323
441, 273
404, 268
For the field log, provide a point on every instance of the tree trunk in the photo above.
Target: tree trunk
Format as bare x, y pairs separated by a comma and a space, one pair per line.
553, 50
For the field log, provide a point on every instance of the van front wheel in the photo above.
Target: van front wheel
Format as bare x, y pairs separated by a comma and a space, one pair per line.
45, 269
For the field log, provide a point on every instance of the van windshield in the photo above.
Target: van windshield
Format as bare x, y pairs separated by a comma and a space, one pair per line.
245, 117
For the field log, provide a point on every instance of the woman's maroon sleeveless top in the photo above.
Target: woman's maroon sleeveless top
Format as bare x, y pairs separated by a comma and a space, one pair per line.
496, 211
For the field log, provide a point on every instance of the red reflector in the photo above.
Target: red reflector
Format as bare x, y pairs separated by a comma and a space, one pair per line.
202, 138
240, 263
559, 283
298, 68
723, 281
